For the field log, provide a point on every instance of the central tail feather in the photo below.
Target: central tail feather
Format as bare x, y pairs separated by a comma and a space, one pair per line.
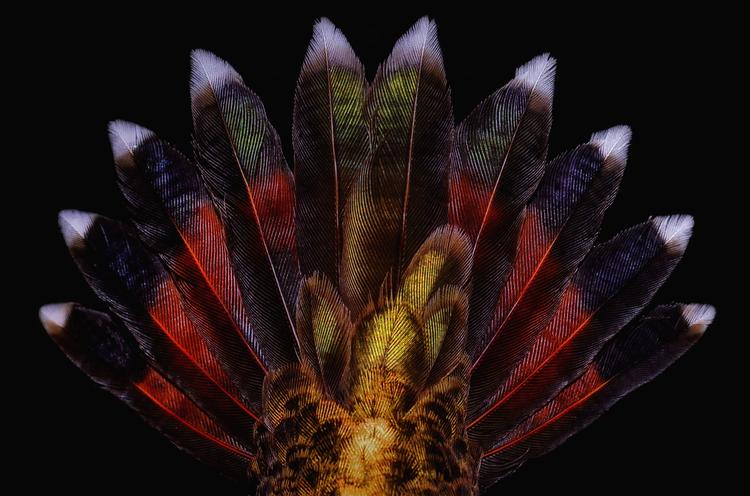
400, 194
330, 145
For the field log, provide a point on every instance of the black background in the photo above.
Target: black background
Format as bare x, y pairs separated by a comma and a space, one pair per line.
655, 73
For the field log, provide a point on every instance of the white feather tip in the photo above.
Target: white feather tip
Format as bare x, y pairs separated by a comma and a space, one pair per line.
209, 70
698, 317
539, 74
74, 225
330, 46
613, 143
418, 44
675, 231
54, 317
125, 137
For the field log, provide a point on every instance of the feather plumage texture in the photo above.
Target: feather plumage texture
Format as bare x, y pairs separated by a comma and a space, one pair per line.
634, 357
330, 143
414, 310
105, 351
400, 192
175, 217
240, 159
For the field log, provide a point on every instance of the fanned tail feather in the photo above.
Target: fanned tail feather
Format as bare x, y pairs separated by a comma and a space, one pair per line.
612, 285
560, 226
400, 194
175, 217
141, 294
240, 158
108, 354
330, 145
635, 356
497, 161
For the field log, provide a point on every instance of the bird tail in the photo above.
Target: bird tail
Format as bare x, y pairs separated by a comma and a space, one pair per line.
430, 291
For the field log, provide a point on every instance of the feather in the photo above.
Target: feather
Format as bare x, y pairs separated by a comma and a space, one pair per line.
389, 362
138, 290
330, 144
325, 333
634, 357
497, 161
561, 223
445, 331
615, 281
399, 196
175, 218
240, 158
443, 259
108, 354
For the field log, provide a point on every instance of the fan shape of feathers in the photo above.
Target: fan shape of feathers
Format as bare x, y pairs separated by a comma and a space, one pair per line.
417, 306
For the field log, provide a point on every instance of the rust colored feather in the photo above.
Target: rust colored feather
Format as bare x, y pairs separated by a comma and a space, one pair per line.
634, 357
615, 281
108, 354
175, 217
561, 223
141, 294
497, 162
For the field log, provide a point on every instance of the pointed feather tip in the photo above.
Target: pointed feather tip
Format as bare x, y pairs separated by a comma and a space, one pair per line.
418, 44
613, 144
207, 70
74, 225
329, 46
125, 137
539, 74
675, 231
698, 317
54, 317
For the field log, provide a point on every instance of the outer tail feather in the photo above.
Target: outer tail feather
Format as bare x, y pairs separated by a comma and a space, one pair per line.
400, 195
612, 285
110, 356
138, 290
240, 158
175, 218
561, 223
634, 357
330, 144
497, 162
